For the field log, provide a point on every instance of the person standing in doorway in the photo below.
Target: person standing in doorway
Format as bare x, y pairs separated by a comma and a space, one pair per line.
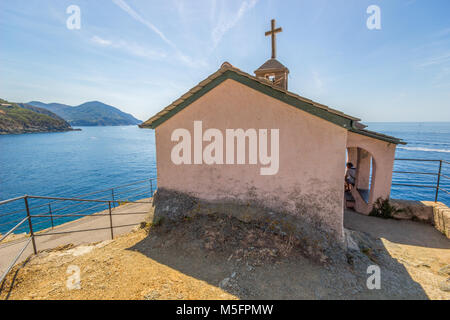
350, 176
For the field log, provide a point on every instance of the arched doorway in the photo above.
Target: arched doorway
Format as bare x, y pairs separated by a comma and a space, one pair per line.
365, 167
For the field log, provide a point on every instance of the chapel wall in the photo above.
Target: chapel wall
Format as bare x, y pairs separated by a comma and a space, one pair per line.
309, 182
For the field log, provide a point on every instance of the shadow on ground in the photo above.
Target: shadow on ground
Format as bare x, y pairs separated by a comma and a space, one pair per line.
252, 263
398, 231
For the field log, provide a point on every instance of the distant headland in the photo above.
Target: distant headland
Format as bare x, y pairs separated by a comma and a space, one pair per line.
93, 113
35, 116
22, 118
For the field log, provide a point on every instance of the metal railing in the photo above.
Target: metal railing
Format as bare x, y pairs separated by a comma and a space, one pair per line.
117, 197
116, 194
439, 176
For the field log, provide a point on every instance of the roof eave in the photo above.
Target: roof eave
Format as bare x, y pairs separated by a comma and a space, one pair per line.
229, 72
290, 98
378, 136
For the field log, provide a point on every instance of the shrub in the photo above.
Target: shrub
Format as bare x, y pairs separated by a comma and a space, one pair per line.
382, 208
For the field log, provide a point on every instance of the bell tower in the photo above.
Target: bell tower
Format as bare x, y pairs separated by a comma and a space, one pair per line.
272, 69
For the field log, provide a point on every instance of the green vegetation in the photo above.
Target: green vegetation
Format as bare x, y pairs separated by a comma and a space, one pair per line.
382, 208
15, 119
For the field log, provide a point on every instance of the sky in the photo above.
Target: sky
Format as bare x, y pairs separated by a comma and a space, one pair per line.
140, 55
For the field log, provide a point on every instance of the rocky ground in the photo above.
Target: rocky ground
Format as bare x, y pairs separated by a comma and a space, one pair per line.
218, 257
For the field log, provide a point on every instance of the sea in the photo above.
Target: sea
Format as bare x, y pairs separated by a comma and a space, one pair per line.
78, 163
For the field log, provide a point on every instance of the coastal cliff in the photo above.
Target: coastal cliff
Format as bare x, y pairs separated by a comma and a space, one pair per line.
22, 118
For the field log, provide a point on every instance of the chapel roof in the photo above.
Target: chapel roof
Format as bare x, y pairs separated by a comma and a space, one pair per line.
227, 71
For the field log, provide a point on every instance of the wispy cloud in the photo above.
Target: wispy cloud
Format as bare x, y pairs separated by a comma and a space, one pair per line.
436, 60
140, 51
125, 7
100, 41
179, 55
227, 23
130, 48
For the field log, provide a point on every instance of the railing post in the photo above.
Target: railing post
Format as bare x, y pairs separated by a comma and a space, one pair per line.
112, 193
438, 181
51, 215
30, 224
151, 188
110, 220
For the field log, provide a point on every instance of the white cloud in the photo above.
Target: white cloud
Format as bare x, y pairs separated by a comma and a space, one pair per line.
436, 60
140, 51
227, 23
179, 55
125, 7
130, 48
101, 41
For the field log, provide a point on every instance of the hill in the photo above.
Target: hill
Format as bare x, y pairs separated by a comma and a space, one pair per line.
92, 113
41, 111
21, 118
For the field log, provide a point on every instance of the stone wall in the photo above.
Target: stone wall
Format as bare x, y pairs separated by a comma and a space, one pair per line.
434, 213
441, 216
413, 210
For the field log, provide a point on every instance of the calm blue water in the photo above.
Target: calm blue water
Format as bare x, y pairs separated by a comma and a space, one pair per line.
75, 163
425, 141
67, 164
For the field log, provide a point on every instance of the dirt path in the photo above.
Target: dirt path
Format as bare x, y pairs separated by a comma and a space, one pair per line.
108, 270
419, 247
399, 231
136, 214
